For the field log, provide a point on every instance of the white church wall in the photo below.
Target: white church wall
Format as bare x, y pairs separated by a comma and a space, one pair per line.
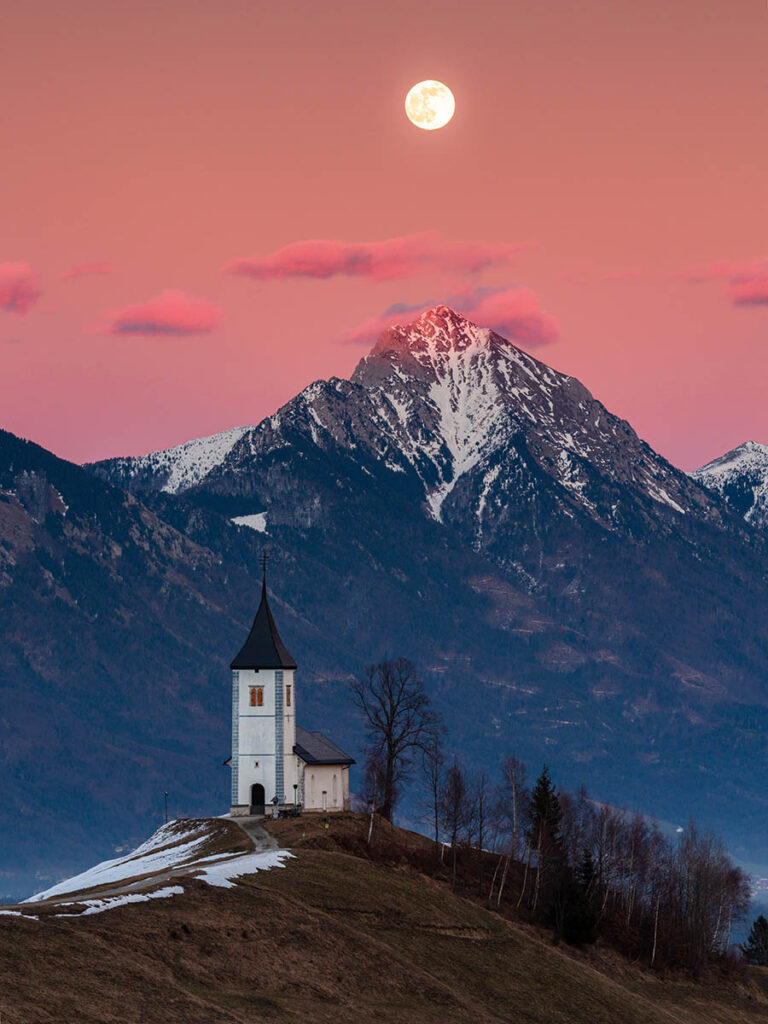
256, 740
326, 787
257, 734
289, 739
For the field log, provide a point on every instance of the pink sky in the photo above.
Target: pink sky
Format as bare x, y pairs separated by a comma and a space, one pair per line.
200, 204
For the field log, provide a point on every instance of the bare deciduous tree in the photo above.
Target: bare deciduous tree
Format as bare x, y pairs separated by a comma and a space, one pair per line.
456, 809
433, 766
399, 721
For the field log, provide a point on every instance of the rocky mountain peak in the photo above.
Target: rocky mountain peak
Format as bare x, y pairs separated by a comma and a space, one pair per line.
440, 329
740, 477
748, 453
439, 343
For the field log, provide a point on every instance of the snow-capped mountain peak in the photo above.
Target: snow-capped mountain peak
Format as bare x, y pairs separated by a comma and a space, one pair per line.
484, 401
741, 478
439, 329
480, 429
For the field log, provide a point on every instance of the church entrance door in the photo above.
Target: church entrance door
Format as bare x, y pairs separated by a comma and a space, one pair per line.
257, 798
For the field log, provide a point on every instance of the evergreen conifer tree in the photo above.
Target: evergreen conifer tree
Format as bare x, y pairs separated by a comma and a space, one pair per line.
546, 813
755, 949
585, 872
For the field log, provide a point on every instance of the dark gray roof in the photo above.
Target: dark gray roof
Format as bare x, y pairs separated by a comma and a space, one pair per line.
314, 748
263, 648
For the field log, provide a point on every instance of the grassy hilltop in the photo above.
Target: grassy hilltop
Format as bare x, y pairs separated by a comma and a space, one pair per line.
341, 933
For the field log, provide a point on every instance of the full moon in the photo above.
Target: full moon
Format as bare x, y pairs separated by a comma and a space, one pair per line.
430, 105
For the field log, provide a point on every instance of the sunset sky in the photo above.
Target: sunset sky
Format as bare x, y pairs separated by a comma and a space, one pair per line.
204, 206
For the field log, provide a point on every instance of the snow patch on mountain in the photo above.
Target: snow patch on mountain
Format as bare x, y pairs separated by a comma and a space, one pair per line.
177, 469
257, 521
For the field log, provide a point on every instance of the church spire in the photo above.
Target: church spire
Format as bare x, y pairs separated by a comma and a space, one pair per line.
263, 648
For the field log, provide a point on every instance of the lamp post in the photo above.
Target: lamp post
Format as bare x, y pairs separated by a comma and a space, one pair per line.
295, 795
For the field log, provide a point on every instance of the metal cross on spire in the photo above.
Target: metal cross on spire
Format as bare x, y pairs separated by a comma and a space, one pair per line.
264, 561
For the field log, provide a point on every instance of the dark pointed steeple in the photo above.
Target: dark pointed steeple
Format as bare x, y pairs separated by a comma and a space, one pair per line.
263, 648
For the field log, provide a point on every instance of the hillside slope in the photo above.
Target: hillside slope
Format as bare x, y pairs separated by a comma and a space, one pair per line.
332, 937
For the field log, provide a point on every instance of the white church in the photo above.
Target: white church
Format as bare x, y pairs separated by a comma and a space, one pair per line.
274, 762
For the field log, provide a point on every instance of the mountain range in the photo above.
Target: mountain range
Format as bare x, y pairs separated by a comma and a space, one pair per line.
568, 595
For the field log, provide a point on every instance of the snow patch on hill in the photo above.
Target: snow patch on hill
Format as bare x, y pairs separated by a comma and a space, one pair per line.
177, 851
111, 903
164, 850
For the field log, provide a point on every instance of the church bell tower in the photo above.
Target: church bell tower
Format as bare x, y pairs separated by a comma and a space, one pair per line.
263, 718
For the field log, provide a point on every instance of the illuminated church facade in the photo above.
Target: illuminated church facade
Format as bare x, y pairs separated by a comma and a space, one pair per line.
274, 761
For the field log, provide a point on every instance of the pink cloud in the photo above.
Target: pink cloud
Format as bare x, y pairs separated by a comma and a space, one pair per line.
514, 313
409, 256
747, 282
752, 292
84, 269
171, 313
19, 289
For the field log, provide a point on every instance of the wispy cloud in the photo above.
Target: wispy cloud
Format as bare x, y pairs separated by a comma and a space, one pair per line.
170, 313
86, 269
418, 255
19, 290
747, 282
513, 312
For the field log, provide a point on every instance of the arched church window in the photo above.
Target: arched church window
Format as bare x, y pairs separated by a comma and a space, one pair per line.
287, 696
257, 696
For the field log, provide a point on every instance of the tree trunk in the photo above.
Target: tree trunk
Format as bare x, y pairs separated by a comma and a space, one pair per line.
537, 884
655, 930
525, 876
503, 880
493, 880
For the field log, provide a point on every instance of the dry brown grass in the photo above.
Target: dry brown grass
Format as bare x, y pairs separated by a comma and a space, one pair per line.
334, 937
